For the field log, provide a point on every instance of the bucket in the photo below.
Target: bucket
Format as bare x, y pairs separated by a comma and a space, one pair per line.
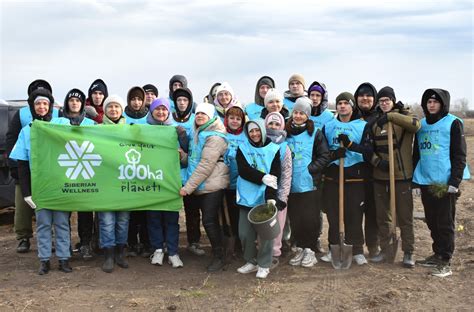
267, 229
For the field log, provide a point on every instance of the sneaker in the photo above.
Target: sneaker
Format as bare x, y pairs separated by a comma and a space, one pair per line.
442, 270
86, 252
327, 257
262, 272
175, 261
408, 261
430, 262
378, 258
157, 257
195, 249
360, 259
248, 268
23, 246
309, 258
296, 260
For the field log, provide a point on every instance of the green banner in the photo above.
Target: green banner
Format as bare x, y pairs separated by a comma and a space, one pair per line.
105, 167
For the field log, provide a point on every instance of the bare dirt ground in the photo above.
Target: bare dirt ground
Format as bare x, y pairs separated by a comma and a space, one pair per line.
144, 287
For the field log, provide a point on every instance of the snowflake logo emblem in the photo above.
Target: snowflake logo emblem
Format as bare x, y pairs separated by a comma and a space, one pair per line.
80, 160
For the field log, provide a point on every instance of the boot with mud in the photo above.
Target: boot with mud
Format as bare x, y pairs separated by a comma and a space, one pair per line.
108, 265
120, 259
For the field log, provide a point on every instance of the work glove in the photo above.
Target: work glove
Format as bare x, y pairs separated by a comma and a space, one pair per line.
452, 189
30, 202
340, 153
416, 192
271, 202
344, 139
270, 180
383, 165
90, 111
382, 120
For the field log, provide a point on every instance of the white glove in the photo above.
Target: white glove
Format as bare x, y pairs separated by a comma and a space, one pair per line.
272, 202
30, 202
416, 192
270, 180
452, 189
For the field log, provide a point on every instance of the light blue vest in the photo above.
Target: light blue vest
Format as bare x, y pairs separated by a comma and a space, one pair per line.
301, 147
253, 111
434, 143
288, 104
188, 126
22, 148
250, 194
195, 150
354, 130
26, 117
138, 121
234, 141
321, 120
65, 121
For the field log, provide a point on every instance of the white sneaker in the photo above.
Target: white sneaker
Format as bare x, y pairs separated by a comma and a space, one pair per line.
157, 257
296, 260
247, 268
309, 258
262, 272
175, 261
360, 259
327, 257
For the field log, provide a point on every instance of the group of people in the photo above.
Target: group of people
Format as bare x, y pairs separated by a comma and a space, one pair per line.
283, 150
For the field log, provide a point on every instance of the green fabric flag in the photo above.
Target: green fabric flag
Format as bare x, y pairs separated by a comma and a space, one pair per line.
105, 167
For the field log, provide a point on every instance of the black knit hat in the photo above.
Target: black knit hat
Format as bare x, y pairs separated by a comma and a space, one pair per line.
75, 93
386, 92
39, 84
151, 88
98, 85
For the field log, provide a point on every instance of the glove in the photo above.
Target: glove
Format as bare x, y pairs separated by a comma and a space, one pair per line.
340, 153
416, 192
382, 120
90, 111
271, 202
30, 202
280, 205
452, 189
344, 139
14, 172
383, 165
270, 180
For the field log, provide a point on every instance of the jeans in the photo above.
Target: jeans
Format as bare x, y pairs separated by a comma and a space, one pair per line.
113, 228
155, 230
45, 219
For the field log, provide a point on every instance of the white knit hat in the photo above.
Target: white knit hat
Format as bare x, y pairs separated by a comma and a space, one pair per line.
207, 109
225, 86
114, 99
273, 94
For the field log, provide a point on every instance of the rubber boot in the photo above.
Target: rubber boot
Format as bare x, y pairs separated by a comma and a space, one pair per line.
120, 256
218, 262
64, 266
44, 267
108, 265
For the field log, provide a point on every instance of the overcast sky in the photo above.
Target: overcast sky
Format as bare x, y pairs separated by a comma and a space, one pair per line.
409, 45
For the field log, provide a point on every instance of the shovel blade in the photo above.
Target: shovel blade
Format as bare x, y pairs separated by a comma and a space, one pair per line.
392, 248
341, 256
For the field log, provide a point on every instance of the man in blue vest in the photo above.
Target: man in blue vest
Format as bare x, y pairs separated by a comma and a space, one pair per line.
440, 159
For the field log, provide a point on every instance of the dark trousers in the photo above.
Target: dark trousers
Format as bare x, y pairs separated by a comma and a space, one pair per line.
137, 229
193, 219
440, 215
234, 212
305, 218
318, 202
85, 227
155, 220
209, 205
370, 218
354, 197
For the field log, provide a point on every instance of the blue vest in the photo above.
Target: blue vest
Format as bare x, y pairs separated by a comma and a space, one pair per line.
354, 130
188, 126
138, 121
195, 150
301, 147
434, 143
65, 121
321, 120
253, 111
22, 148
26, 117
233, 141
250, 194
288, 104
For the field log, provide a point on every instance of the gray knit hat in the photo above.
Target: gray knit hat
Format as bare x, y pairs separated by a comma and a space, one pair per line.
303, 104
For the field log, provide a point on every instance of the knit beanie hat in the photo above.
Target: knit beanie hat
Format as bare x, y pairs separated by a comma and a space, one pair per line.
275, 117
297, 77
225, 86
386, 92
98, 85
135, 92
74, 93
151, 88
39, 84
207, 109
273, 94
114, 99
316, 88
366, 89
303, 104
160, 102
346, 96
183, 92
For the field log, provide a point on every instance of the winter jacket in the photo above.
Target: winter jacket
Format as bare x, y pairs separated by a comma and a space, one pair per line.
107, 121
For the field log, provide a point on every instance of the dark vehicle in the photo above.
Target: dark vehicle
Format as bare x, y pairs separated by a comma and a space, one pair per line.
7, 184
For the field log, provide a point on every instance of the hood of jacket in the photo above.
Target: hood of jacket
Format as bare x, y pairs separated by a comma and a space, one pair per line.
264, 80
31, 102
356, 94
316, 111
177, 78
442, 96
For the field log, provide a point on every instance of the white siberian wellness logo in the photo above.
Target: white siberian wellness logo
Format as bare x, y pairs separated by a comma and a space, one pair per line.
80, 160
136, 170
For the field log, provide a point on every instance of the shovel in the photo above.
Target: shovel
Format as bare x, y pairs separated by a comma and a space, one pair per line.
341, 255
392, 246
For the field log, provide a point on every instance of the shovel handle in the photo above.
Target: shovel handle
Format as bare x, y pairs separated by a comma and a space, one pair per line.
391, 171
341, 194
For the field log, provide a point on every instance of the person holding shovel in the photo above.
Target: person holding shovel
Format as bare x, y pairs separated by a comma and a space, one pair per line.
404, 125
347, 138
440, 159
258, 163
